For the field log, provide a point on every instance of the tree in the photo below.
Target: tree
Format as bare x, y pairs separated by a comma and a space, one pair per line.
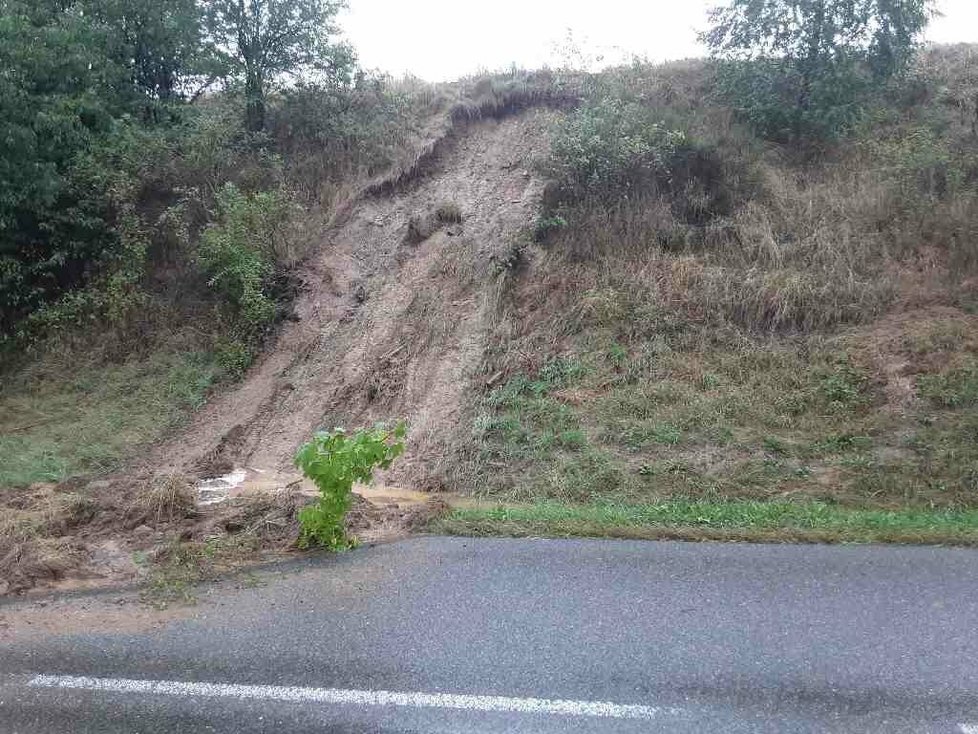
265, 39
76, 78
805, 60
159, 42
58, 94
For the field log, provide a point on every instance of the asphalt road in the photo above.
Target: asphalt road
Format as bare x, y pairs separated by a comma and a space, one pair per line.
460, 635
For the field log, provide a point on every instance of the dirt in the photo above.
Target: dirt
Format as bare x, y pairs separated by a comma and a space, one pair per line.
387, 326
64, 615
46, 543
386, 329
905, 344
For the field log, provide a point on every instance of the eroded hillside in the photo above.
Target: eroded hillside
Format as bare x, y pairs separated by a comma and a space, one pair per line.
603, 305
393, 317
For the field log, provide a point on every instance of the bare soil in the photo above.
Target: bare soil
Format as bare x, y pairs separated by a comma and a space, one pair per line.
386, 329
389, 325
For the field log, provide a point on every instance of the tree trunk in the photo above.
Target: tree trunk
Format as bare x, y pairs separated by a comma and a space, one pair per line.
810, 67
255, 101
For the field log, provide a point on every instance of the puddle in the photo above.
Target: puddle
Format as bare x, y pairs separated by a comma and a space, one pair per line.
217, 489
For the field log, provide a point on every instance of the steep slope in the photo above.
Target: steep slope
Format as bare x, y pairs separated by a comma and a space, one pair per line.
386, 327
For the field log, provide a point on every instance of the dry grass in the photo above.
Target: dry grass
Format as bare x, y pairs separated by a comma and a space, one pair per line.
813, 338
448, 212
167, 499
486, 97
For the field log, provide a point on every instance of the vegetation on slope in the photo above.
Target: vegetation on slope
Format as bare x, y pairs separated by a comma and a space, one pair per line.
757, 309
712, 315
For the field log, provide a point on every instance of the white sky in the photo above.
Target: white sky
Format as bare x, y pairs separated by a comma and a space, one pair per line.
443, 39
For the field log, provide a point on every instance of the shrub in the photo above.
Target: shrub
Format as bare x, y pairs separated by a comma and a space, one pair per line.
335, 461
763, 92
546, 225
237, 253
613, 149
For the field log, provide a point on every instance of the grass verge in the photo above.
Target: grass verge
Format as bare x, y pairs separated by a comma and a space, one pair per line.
768, 522
74, 420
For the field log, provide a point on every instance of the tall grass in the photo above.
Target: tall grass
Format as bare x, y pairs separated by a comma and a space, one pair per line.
753, 232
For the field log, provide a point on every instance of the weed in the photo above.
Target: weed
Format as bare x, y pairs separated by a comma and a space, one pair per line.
843, 388
956, 388
334, 462
618, 356
841, 443
547, 225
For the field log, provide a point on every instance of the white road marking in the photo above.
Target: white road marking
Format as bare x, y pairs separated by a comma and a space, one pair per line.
504, 704
968, 728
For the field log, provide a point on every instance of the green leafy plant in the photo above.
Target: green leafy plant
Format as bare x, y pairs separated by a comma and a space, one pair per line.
546, 225
335, 461
238, 251
797, 68
613, 148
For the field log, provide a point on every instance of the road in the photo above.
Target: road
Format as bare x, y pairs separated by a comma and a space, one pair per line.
493, 635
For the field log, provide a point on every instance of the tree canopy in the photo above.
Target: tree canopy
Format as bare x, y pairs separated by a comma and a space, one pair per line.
80, 78
264, 39
802, 62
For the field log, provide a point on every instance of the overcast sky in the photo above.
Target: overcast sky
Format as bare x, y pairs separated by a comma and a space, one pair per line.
444, 39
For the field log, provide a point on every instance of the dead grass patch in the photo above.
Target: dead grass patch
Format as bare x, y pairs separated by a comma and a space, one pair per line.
167, 499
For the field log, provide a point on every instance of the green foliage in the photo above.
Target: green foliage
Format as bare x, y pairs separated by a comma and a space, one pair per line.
766, 93
237, 252
159, 44
802, 67
89, 418
98, 136
547, 225
261, 41
53, 225
234, 357
335, 461
776, 521
612, 149
843, 388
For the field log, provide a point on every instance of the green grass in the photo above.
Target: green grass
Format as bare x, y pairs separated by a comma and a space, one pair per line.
706, 417
87, 420
726, 520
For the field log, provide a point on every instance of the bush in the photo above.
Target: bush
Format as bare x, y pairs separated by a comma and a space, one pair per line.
613, 149
547, 225
764, 93
237, 252
335, 462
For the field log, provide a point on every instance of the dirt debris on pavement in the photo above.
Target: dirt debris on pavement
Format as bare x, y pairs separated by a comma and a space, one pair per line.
113, 532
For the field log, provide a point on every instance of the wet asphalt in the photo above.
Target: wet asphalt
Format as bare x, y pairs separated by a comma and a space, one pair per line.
713, 637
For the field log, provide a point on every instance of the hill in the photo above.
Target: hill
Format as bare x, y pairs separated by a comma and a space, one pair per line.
590, 296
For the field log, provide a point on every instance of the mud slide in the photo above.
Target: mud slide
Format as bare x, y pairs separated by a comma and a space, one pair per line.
392, 320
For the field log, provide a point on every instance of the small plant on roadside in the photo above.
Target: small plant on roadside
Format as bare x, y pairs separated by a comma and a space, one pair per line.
335, 461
